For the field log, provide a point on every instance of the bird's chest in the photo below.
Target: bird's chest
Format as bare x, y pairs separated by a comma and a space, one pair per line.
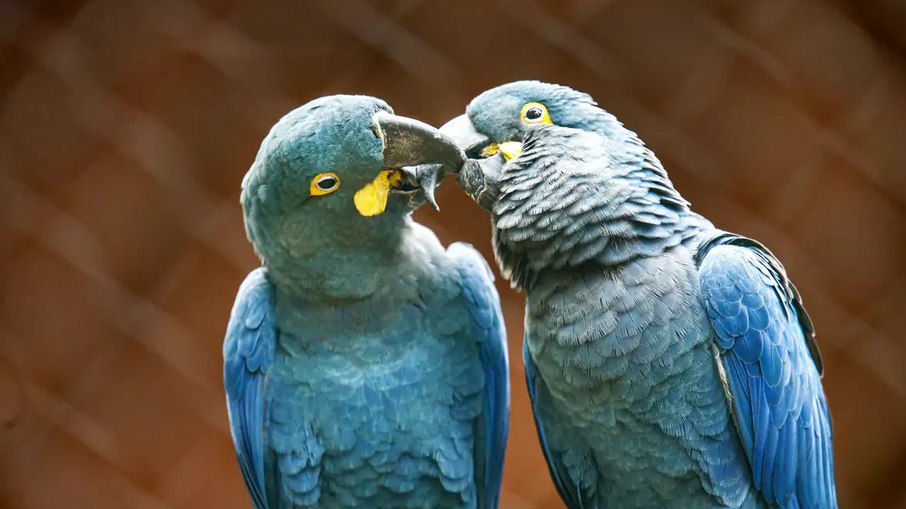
385, 406
366, 394
628, 359
616, 341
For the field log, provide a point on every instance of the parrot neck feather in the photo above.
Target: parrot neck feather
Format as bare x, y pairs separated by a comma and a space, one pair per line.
346, 266
603, 204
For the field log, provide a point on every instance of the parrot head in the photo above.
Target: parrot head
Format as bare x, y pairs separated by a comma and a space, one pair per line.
565, 181
496, 121
339, 173
499, 120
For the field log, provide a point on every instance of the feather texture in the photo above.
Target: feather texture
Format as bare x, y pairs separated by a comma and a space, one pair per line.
397, 401
365, 365
665, 368
766, 346
488, 328
248, 351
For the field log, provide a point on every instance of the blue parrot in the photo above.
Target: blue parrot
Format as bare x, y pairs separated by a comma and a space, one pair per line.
364, 365
669, 363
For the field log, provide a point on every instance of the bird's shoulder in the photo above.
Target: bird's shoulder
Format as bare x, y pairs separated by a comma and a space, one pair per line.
248, 352
766, 354
446, 275
747, 266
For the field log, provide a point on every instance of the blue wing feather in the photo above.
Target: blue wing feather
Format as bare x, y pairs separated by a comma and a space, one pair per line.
766, 345
248, 350
487, 320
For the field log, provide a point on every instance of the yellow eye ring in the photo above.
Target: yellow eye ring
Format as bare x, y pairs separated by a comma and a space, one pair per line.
535, 113
324, 183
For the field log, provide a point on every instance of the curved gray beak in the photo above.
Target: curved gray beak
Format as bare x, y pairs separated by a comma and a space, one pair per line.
409, 142
462, 131
480, 177
421, 152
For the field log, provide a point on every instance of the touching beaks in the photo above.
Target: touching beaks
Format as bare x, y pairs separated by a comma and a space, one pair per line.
413, 151
409, 142
463, 132
473, 143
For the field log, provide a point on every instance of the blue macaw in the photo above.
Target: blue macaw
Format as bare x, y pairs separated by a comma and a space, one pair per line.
669, 363
364, 365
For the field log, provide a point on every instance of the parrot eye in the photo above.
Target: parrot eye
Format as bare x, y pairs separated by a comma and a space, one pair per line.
535, 113
324, 183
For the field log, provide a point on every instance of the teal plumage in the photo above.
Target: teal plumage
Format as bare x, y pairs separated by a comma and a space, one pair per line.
365, 365
670, 364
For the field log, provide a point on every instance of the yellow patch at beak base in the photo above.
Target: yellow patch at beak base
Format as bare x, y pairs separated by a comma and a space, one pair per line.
509, 149
371, 200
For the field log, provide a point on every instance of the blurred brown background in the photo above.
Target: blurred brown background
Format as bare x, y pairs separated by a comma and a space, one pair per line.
126, 126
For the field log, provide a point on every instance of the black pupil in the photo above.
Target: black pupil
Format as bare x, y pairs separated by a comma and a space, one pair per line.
327, 183
533, 113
